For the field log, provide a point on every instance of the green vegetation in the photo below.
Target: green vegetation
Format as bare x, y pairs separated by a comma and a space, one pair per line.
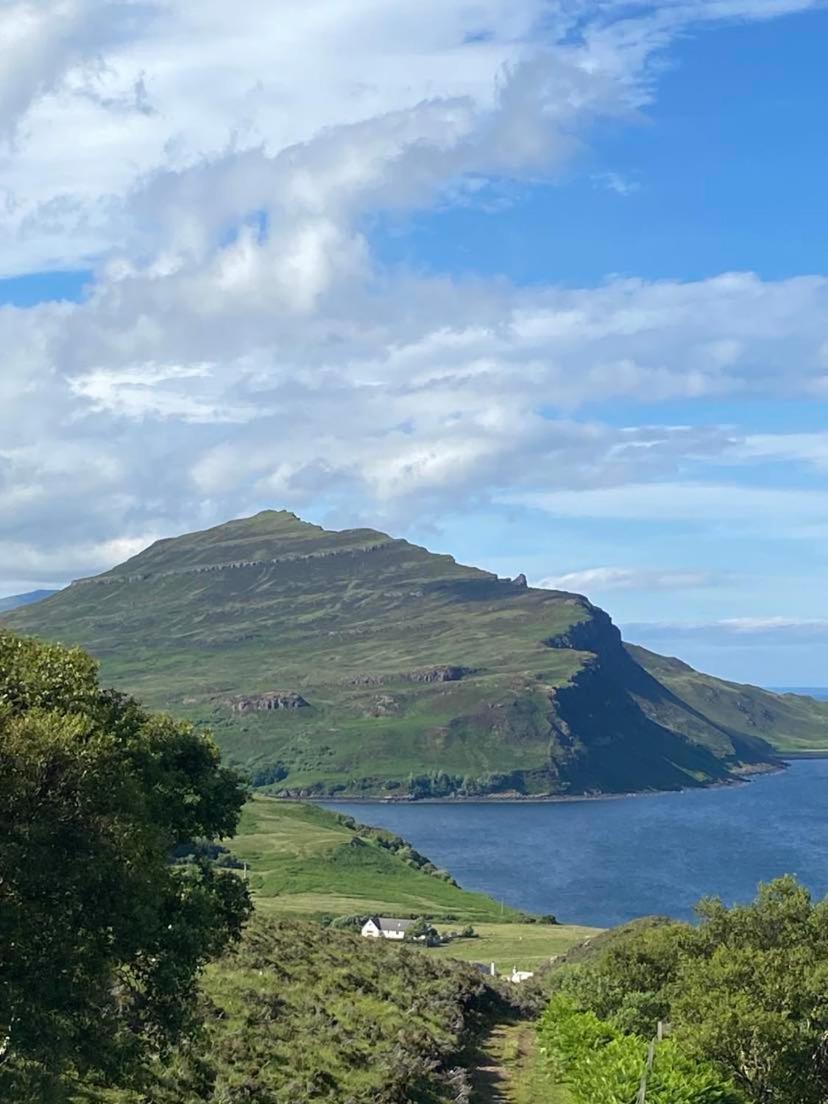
743, 992
115, 895
101, 938
307, 861
399, 672
522, 946
125, 977
599, 1064
302, 1013
789, 722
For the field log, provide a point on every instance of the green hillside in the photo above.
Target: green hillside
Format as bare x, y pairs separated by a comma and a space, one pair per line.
308, 861
298, 1013
789, 722
353, 663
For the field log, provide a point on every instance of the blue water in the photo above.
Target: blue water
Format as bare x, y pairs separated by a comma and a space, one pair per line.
605, 862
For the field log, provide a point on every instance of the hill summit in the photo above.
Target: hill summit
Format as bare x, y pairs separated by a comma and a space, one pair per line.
354, 663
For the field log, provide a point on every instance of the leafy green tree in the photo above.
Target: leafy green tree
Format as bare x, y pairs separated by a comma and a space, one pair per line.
424, 932
753, 994
101, 937
629, 983
745, 989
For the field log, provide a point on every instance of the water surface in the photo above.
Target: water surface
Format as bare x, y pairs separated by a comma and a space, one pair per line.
605, 862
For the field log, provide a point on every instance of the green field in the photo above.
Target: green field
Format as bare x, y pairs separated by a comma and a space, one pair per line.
306, 861
516, 945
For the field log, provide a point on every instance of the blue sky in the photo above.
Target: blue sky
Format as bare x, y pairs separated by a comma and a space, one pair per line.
724, 171
539, 285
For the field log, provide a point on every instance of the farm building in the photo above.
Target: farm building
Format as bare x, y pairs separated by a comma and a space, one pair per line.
385, 927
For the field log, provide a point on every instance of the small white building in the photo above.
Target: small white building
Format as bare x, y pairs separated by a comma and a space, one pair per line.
385, 927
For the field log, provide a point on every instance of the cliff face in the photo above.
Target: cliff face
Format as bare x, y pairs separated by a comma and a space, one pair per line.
404, 673
621, 729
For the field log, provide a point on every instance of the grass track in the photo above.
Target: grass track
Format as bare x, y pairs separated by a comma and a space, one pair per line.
508, 1071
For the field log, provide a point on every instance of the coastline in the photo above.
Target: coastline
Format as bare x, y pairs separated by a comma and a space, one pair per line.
747, 775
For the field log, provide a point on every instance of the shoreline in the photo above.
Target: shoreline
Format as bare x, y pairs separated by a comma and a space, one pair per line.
748, 775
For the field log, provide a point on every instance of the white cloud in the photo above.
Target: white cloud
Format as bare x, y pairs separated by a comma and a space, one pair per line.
807, 448
601, 579
242, 347
38, 565
779, 512
616, 182
733, 632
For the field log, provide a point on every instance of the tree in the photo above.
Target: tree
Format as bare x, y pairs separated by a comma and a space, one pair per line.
745, 990
101, 937
753, 995
421, 931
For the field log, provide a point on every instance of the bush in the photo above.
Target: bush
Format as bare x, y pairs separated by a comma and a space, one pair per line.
744, 989
602, 1065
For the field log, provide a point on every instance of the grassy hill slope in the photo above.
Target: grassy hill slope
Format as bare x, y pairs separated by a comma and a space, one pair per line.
789, 722
308, 861
299, 1013
390, 670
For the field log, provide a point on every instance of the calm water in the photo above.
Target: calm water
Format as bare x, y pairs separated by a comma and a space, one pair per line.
604, 862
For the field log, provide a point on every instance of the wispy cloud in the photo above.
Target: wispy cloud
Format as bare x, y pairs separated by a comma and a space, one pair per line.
732, 632
616, 182
601, 579
792, 512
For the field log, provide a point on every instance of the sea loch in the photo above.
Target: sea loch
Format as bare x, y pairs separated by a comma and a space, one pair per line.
604, 862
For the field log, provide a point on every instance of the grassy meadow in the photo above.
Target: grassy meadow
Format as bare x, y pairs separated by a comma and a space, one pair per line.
522, 946
306, 861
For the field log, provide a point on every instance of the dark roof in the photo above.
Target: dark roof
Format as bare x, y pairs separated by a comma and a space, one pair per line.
389, 923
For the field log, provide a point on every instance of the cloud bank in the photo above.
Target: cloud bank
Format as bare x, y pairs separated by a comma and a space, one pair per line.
241, 345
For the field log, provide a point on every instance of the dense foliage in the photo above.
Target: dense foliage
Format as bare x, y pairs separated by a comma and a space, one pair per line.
102, 938
602, 1065
297, 1012
746, 990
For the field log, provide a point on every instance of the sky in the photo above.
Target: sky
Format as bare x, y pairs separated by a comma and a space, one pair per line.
539, 284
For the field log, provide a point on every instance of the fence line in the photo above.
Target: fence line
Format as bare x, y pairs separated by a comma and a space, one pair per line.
663, 1030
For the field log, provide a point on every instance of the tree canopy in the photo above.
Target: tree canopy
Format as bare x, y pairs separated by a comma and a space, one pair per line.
101, 938
746, 990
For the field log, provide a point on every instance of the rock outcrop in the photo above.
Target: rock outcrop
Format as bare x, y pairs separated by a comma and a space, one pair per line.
439, 674
275, 699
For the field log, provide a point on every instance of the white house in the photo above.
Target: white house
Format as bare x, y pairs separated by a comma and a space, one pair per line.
385, 927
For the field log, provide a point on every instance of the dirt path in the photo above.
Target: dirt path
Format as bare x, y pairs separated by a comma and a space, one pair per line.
505, 1066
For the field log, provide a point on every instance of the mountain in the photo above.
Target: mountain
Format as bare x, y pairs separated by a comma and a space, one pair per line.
355, 663
790, 722
17, 600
